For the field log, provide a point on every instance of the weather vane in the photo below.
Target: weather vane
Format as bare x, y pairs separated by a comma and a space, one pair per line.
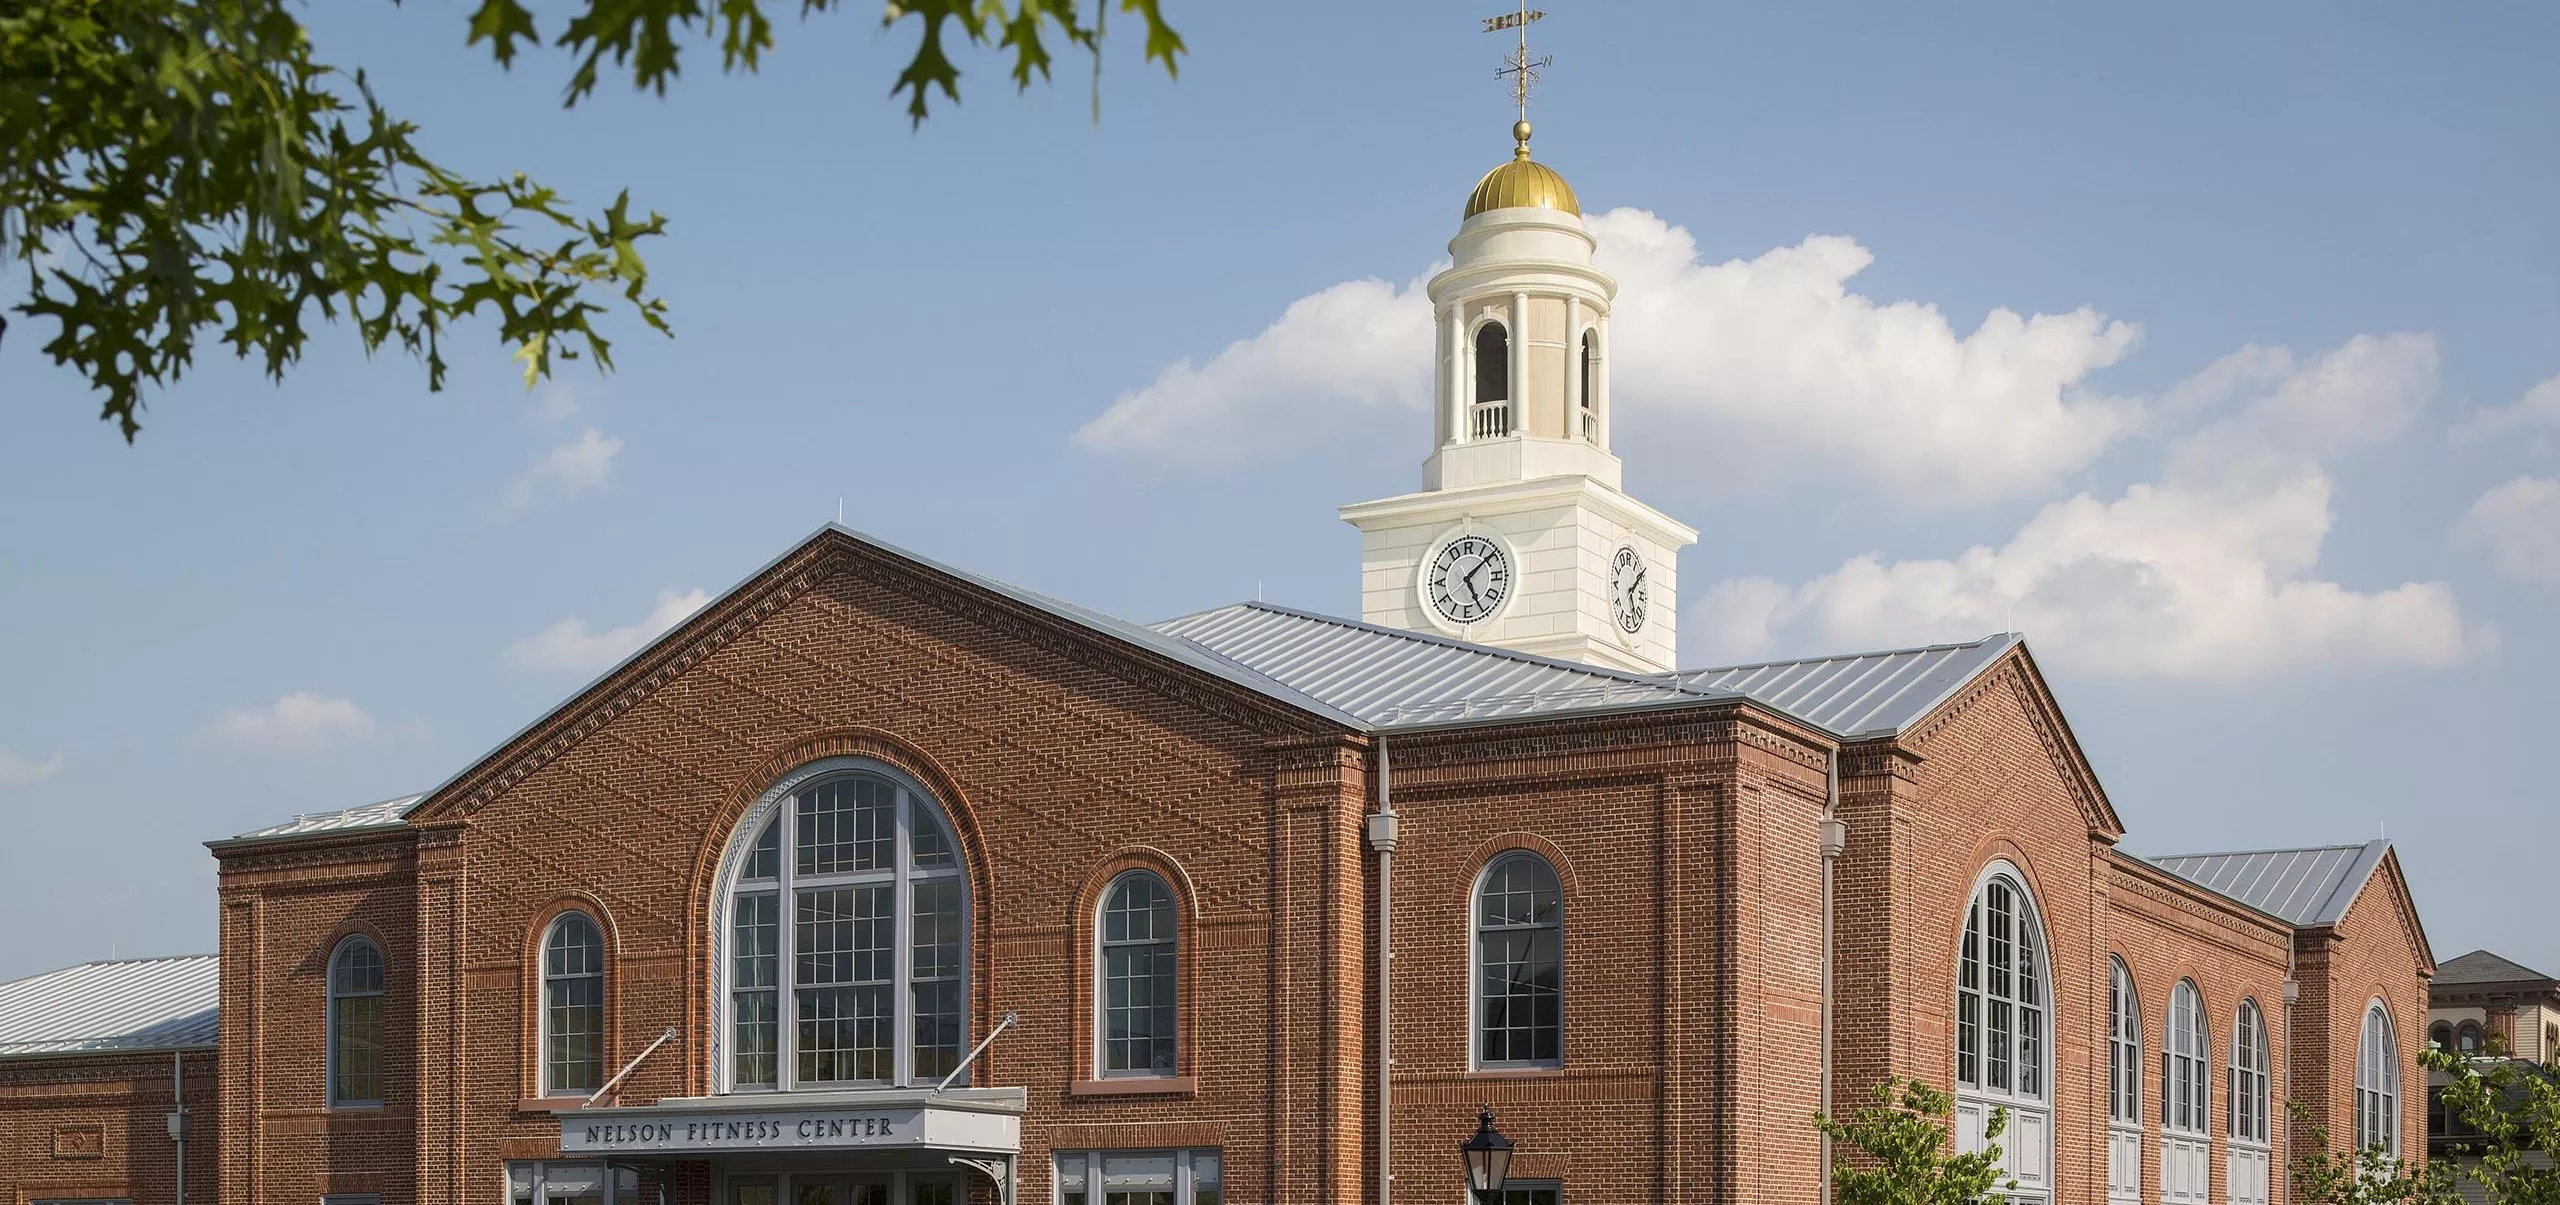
1521, 70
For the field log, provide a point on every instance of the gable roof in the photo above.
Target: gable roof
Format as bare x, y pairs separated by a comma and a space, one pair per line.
2481, 966
2307, 887
1355, 676
135, 1004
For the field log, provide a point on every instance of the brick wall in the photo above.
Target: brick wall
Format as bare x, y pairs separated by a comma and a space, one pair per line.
1687, 845
96, 1126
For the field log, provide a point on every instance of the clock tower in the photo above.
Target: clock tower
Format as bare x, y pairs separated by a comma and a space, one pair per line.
1521, 535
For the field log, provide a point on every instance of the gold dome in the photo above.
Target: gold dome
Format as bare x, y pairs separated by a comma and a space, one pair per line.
1523, 183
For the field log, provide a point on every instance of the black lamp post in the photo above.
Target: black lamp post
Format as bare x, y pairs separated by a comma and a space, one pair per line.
1488, 1158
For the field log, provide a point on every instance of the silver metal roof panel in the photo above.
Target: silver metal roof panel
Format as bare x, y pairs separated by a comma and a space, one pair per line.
387, 813
136, 1004
2304, 886
1391, 679
1863, 694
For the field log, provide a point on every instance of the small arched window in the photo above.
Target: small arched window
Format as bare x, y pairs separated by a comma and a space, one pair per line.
572, 1006
1493, 363
1138, 965
2467, 1038
1590, 385
846, 930
2440, 1036
2183, 1076
2249, 1070
355, 1023
1519, 964
2124, 1046
2378, 1083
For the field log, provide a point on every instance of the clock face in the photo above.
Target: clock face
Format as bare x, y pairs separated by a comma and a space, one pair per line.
1627, 590
1469, 579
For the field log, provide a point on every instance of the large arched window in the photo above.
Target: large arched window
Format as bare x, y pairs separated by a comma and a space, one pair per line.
2183, 1076
572, 1006
355, 1023
1519, 964
1493, 363
2124, 1085
2378, 1083
2003, 1016
2246, 1083
2186, 1142
2249, 1072
1137, 963
846, 919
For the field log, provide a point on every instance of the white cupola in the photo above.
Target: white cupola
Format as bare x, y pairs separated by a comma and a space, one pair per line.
1521, 535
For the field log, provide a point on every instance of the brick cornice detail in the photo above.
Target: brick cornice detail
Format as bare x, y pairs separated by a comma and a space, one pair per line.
2016, 674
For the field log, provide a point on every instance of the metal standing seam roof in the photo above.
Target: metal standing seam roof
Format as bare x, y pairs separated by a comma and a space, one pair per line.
387, 813
1389, 678
2310, 887
1860, 695
136, 1004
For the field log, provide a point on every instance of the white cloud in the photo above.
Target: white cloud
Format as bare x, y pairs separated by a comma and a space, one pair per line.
1774, 353
304, 723
2207, 573
16, 771
571, 646
2539, 408
1361, 349
2518, 523
573, 468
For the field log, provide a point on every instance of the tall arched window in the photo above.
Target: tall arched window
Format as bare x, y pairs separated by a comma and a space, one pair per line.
2124, 1085
2186, 1141
1138, 961
846, 918
2002, 1034
2467, 1038
2249, 1164
1519, 964
572, 1006
1493, 363
2378, 1083
355, 1023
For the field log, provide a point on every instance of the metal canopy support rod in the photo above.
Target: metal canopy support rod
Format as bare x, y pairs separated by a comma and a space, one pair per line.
663, 1039
1007, 1023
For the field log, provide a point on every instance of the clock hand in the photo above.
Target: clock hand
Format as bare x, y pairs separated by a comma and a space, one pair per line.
1470, 578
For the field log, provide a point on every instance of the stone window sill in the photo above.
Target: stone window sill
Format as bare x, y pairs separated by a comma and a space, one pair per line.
1148, 1085
550, 1104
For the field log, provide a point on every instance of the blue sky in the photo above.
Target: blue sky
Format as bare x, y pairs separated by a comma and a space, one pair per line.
2202, 344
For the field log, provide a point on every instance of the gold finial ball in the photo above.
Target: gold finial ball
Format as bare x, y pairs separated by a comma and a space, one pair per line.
1520, 131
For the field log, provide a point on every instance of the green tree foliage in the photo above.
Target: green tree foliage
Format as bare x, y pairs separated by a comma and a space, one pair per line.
172, 170
2372, 1176
1897, 1151
2504, 1125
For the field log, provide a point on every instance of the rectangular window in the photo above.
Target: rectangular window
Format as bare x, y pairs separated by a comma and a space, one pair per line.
355, 1072
1186, 1177
846, 960
755, 954
351, 1198
1534, 1192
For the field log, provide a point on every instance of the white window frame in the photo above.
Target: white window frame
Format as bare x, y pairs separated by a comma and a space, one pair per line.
2026, 1148
2249, 1084
776, 805
542, 1007
329, 1029
2378, 1080
1475, 967
1554, 1186
1101, 976
2186, 1082
2124, 1084
1188, 1164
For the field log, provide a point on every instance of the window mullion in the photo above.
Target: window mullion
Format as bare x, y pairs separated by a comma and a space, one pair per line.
902, 952
786, 1004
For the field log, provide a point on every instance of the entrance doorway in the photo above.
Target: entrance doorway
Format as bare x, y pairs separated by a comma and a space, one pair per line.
855, 1188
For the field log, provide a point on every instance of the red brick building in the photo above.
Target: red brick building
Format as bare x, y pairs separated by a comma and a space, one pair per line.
877, 881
